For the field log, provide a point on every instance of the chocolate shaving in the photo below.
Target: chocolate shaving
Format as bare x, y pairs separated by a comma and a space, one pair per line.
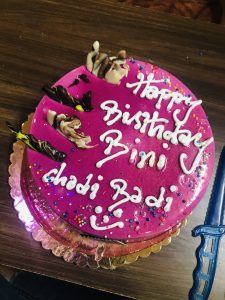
84, 78
85, 102
61, 95
46, 148
75, 82
43, 147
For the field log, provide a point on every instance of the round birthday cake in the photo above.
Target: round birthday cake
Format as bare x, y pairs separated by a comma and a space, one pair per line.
118, 149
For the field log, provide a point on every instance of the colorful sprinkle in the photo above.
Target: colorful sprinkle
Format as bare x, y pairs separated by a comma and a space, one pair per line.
65, 214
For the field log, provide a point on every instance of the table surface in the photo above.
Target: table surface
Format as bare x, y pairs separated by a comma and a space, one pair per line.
43, 39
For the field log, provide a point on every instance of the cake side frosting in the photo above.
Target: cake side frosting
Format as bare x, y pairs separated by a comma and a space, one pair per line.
138, 162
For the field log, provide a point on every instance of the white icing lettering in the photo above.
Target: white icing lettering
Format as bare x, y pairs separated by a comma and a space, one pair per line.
153, 201
179, 122
119, 197
62, 180
146, 92
71, 183
151, 92
113, 142
120, 185
154, 125
136, 118
83, 188
156, 130
183, 157
169, 201
161, 162
111, 108
150, 155
133, 155
47, 178
94, 190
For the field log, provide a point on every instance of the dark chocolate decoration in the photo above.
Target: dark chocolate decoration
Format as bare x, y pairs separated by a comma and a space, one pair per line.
94, 56
75, 82
84, 78
46, 148
85, 102
61, 95
105, 67
43, 147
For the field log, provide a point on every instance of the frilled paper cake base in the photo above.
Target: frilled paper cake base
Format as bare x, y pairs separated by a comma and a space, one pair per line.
64, 241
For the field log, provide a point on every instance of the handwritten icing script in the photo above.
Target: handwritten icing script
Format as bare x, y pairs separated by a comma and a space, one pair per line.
152, 125
90, 187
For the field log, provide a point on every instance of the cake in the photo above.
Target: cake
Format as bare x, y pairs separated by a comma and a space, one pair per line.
119, 151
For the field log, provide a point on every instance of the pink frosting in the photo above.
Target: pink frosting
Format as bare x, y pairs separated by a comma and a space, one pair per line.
136, 220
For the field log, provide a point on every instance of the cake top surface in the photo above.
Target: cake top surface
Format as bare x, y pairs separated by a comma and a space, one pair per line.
138, 158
